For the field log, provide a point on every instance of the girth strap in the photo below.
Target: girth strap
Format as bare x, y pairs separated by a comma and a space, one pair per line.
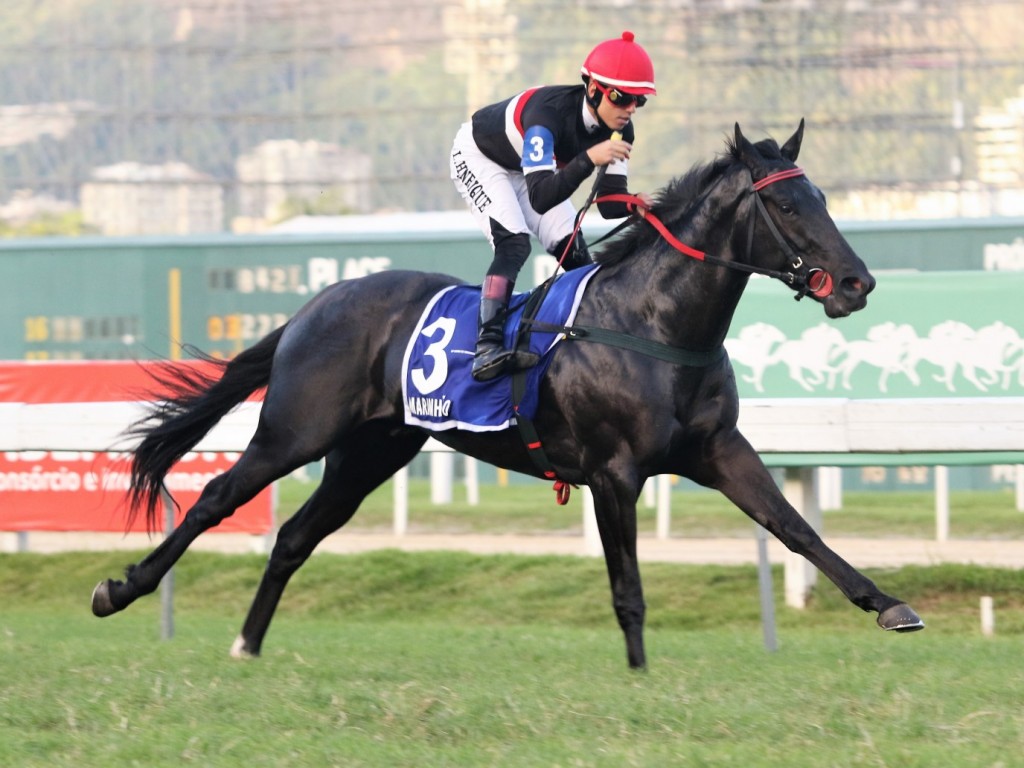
656, 349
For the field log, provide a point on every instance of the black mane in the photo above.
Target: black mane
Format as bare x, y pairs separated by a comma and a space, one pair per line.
674, 201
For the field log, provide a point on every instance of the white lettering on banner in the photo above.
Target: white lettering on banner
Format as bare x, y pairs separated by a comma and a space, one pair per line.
873, 475
38, 479
912, 475
115, 481
1004, 256
72, 455
366, 265
322, 272
24, 455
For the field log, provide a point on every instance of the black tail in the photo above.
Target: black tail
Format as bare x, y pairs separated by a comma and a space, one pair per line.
187, 405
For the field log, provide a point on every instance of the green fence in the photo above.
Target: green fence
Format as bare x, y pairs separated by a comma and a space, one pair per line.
132, 297
927, 330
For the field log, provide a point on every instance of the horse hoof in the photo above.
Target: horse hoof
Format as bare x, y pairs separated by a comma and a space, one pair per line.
102, 605
900, 618
239, 651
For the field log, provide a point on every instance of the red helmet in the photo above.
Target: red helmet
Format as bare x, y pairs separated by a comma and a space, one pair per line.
622, 64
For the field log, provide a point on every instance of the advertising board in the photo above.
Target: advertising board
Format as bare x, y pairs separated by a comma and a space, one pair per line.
85, 490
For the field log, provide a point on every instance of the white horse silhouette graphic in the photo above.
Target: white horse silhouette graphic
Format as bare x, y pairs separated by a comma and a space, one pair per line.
885, 348
753, 348
980, 356
1007, 344
991, 357
811, 353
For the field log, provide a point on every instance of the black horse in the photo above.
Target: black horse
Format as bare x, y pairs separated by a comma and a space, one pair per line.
609, 417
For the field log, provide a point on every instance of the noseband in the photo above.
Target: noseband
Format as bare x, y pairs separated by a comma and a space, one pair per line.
799, 277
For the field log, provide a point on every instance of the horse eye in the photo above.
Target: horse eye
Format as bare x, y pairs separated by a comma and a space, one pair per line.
786, 209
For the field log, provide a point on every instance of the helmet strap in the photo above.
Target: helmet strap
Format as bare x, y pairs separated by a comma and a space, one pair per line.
594, 102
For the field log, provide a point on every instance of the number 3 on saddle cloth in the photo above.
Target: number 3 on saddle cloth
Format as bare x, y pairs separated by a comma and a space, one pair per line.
438, 388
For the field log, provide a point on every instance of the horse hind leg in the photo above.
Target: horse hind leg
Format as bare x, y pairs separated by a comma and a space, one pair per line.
372, 456
267, 458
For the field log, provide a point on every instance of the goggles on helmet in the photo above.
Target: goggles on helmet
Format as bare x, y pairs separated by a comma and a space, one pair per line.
621, 98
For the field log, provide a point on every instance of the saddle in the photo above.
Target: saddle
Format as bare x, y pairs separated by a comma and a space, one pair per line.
438, 389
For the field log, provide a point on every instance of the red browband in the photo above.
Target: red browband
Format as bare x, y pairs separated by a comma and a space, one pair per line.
779, 176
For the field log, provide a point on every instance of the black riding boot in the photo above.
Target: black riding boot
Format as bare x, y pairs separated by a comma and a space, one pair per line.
491, 358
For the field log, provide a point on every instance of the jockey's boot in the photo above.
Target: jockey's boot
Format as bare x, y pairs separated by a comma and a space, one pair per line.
491, 359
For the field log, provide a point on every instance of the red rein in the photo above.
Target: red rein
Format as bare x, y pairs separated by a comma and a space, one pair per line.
819, 282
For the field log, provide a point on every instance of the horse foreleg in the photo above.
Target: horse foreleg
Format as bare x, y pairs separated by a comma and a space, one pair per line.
615, 508
744, 479
348, 477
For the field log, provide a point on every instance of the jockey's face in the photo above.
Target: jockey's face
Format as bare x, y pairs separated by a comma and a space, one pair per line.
615, 116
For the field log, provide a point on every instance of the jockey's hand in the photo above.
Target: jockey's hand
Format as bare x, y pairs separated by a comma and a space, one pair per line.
609, 151
646, 201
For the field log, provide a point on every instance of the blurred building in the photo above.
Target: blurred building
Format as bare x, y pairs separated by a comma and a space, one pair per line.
1000, 142
901, 97
168, 199
997, 145
24, 206
284, 178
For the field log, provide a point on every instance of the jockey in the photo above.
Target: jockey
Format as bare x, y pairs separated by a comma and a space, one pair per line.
517, 163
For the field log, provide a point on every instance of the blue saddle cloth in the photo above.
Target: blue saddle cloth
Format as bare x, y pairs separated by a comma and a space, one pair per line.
438, 388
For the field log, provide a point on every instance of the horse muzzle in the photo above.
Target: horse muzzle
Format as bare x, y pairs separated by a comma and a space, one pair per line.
840, 297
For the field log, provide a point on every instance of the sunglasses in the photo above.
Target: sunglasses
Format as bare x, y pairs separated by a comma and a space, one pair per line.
620, 98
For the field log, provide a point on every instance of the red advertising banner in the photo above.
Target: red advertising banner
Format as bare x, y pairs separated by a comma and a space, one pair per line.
85, 491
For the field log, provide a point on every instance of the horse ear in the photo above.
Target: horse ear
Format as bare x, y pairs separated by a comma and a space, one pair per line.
746, 150
791, 148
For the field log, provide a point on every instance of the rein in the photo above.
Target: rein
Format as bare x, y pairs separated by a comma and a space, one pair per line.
815, 281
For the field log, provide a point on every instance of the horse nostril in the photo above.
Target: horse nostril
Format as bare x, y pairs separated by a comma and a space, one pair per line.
855, 286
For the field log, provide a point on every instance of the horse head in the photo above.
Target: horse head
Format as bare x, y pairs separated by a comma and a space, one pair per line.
793, 233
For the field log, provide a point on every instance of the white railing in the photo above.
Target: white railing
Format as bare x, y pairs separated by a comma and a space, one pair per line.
800, 436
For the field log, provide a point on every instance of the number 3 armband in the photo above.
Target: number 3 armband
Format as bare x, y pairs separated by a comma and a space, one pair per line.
538, 149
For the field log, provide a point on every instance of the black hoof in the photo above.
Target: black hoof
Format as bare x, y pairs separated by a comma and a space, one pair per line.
900, 618
102, 605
